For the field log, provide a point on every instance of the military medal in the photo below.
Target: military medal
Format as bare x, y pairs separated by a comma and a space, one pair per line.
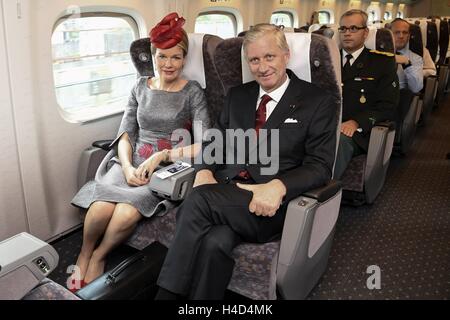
362, 99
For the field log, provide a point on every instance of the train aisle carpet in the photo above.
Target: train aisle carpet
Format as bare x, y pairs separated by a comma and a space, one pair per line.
405, 234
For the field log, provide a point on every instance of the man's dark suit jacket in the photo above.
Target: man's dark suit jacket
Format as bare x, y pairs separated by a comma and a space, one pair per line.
374, 76
306, 148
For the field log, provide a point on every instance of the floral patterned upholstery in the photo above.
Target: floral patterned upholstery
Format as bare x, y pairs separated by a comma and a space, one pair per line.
156, 228
353, 177
49, 290
254, 273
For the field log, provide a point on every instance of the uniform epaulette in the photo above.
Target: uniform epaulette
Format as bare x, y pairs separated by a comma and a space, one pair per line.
388, 54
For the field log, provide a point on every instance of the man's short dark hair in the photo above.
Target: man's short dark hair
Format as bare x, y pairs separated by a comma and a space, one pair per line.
356, 11
398, 20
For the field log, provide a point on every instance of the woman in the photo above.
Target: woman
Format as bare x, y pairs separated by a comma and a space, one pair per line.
119, 196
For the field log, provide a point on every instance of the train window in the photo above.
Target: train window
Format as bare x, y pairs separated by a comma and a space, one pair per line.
282, 18
92, 68
372, 15
400, 14
387, 15
222, 24
324, 17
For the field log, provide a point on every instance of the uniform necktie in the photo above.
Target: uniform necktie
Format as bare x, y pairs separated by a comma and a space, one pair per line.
260, 120
347, 64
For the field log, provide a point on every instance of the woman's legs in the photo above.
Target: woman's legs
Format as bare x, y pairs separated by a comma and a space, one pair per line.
95, 223
120, 227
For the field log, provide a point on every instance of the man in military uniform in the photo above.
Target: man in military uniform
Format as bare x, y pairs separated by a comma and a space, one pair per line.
370, 88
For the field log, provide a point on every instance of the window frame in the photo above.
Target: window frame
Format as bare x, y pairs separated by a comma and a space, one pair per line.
390, 15
228, 14
288, 13
330, 15
85, 116
375, 17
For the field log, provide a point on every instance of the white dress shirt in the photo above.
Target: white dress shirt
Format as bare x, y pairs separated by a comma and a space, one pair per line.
412, 76
355, 55
275, 95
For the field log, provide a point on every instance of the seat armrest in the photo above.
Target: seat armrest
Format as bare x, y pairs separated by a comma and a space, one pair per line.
103, 144
325, 192
386, 124
25, 260
376, 155
306, 241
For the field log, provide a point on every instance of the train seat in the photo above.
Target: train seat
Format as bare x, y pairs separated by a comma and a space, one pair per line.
410, 105
365, 174
437, 43
442, 63
406, 122
142, 60
419, 38
431, 40
430, 37
25, 263
443, 40
325, 31
291, 267
49, 290
199, 66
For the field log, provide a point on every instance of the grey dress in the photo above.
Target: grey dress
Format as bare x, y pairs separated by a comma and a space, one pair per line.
149, 119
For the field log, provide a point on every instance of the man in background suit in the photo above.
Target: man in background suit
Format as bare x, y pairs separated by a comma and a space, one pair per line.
231, 203
370, 89
410, 65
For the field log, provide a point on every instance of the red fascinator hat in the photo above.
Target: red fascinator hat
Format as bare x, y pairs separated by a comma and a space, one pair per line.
169, 32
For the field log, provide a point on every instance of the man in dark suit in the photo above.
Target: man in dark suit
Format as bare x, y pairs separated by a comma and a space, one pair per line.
231, 203
370, 88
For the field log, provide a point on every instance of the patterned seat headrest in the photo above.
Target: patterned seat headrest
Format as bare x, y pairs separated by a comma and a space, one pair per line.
380, 39
443, 41
415, 40
432, 40
326, 32
141, 56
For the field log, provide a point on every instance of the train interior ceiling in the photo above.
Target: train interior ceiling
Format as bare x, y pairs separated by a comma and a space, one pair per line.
67, 74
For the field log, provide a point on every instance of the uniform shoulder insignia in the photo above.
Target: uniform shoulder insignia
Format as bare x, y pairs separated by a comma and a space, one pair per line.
384, 53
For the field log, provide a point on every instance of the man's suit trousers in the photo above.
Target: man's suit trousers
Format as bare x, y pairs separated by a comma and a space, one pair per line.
211, 221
